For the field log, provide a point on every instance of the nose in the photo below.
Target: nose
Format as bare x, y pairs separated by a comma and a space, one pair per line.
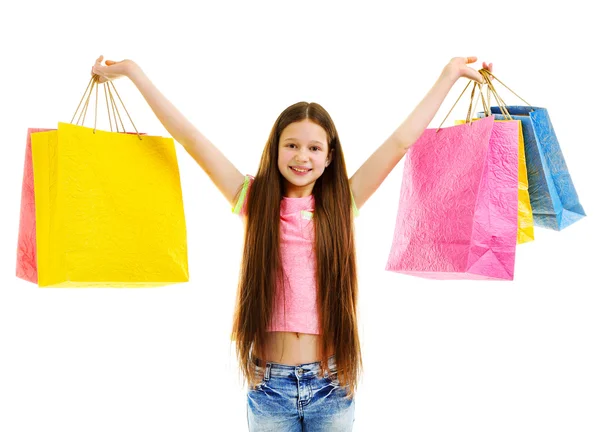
302, 155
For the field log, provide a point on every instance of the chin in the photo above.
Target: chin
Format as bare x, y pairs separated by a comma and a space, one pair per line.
300, 182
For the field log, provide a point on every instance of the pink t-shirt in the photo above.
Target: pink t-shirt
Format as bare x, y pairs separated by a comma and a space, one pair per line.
299, 311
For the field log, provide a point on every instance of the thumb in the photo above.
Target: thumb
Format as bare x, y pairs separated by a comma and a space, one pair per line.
476, 76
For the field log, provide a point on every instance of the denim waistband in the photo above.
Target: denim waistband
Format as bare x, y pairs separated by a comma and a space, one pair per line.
307, 369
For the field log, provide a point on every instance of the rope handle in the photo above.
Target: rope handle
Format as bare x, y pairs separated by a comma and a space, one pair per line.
108, 95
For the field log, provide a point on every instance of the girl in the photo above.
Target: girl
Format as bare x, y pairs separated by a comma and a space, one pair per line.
295, 319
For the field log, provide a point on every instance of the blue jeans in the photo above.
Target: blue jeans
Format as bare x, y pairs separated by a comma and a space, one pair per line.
295, 398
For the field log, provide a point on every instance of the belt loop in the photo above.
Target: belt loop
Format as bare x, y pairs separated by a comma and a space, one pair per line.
267, 371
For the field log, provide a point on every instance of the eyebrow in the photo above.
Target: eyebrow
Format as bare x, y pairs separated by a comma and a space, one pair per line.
313, 141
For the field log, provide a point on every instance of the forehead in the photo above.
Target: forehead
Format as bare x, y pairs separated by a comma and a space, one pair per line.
304, 131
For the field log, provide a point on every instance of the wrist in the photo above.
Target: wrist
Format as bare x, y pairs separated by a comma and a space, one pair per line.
133, 71
450, 73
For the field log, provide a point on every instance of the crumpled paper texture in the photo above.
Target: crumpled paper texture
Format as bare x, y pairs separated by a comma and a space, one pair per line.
457, 215
553, 196
109, 209
525, 218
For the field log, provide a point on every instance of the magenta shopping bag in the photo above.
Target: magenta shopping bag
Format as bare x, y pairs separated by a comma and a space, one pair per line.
26, 246
457, 217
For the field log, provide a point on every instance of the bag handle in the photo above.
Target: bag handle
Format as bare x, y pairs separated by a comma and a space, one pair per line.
487, 76
94, 81
472, 108
463, 92
486, 106
491, 89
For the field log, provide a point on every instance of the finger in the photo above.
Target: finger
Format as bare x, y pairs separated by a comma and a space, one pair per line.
489, 68
475, 76
97, 70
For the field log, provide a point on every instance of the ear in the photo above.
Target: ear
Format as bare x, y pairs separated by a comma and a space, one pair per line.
329, 158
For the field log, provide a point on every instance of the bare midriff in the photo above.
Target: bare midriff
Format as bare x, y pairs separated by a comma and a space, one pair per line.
292, 348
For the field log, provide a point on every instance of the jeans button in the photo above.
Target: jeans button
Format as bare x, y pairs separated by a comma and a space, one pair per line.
300, 371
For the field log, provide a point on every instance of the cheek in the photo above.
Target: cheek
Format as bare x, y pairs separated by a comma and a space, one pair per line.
282, 161
283, 155
322, 162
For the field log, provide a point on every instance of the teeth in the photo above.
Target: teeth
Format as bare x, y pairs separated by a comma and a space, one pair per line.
299, 170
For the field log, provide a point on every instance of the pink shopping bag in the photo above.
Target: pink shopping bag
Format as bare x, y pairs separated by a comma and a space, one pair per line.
457, 216
26, 247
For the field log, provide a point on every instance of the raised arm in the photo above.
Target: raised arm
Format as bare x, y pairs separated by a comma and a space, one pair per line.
371, 174
221, 171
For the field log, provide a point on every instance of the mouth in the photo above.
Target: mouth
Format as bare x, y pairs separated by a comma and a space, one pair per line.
300, 170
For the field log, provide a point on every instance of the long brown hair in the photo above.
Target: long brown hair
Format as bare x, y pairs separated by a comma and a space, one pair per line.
337, 286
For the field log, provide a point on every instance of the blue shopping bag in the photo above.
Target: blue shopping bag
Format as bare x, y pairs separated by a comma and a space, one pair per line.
554, 200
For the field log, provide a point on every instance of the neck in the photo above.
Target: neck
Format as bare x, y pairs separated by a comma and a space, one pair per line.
293, 191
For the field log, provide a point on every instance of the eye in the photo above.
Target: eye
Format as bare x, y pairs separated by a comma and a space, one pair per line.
316, 148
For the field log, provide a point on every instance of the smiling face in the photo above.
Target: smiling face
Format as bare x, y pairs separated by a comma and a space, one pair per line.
303, 156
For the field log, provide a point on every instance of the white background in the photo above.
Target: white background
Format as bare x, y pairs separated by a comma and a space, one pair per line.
438, 355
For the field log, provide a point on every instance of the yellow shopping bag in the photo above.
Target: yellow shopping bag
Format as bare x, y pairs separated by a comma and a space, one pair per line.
109, 209
525, 218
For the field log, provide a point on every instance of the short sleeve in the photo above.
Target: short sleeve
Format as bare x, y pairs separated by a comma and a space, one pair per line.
355, 211
241, 204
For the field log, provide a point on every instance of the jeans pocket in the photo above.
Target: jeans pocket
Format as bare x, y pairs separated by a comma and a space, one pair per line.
332, 378
259, 378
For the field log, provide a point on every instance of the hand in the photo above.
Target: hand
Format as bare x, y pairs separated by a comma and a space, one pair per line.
457, 67
113, 69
